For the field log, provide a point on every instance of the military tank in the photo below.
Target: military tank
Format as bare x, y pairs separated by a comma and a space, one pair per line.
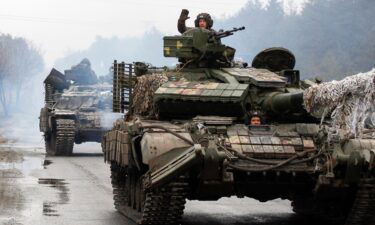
187, 135
76, 109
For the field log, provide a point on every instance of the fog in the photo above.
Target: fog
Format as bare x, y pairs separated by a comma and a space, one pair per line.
330, 39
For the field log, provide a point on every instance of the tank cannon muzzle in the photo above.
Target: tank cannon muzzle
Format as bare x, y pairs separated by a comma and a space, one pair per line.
285, 103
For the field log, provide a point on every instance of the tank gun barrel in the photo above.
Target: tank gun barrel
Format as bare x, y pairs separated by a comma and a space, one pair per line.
223, 34
284, 103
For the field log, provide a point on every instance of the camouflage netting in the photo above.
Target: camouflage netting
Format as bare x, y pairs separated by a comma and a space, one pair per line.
143, 94
350, 101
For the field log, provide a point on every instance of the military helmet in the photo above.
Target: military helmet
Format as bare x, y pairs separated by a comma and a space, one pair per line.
206, 17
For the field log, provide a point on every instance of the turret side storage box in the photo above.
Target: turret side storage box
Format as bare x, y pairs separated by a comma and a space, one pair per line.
179, 46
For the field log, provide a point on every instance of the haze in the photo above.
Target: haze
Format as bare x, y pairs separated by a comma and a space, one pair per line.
61, 27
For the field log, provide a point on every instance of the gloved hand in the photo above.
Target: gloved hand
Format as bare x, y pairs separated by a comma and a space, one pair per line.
184, 14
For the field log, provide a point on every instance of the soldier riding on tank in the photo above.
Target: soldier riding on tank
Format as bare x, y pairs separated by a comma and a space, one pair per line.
203, 20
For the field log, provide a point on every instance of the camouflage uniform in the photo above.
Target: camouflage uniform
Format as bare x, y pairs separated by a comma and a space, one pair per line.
184, 16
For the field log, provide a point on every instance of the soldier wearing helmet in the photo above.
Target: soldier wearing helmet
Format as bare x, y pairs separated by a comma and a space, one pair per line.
254, 118
203, 20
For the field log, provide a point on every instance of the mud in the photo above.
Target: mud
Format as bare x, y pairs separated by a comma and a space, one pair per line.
3, 140
9, 156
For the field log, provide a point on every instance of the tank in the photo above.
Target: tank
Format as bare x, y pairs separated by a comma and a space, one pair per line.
188, 134
76, 110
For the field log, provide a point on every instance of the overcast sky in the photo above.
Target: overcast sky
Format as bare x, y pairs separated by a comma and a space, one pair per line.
61, 26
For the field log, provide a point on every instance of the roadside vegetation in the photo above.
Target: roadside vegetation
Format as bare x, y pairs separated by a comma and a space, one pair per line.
20, 63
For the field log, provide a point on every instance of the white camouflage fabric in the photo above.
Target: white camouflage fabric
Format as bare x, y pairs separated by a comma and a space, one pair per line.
350, 101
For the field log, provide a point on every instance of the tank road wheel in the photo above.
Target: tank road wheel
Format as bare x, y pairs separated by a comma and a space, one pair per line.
160, 206
356, 209
61, 140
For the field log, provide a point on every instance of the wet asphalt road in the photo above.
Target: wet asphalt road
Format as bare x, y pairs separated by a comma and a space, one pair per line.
35, 189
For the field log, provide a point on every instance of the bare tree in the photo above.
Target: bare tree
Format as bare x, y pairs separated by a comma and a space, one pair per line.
20, 61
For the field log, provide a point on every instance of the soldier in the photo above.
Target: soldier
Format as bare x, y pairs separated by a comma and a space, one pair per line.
255, 121
253, 118
203, 20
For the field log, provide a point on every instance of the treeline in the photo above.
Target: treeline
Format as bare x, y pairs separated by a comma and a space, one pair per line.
330, 39
20, 62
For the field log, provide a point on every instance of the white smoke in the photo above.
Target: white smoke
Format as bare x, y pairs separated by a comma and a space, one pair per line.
108, 118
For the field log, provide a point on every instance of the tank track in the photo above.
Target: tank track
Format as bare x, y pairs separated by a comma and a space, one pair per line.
363, 210
160, 206
360, 210
65, 133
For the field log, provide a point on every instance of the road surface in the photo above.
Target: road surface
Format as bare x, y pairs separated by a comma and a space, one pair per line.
35, 189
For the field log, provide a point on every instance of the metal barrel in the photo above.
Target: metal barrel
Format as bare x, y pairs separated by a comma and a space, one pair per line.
284, 103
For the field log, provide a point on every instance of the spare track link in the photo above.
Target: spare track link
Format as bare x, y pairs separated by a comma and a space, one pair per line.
65, 133
161, 206
363, 210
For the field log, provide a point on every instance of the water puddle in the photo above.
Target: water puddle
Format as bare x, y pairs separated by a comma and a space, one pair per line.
49, 207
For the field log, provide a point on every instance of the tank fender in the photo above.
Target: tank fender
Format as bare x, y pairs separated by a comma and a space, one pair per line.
177, 161
155, 144
173, 164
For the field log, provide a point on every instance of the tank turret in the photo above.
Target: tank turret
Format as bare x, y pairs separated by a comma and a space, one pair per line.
200, 48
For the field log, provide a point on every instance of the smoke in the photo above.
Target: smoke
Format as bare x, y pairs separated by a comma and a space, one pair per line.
22, 123
21, 66
107, 119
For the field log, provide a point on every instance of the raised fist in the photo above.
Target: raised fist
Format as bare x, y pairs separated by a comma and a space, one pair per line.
184, 14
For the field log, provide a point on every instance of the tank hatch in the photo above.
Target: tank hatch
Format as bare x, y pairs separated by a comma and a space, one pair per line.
257, 77
274, 59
